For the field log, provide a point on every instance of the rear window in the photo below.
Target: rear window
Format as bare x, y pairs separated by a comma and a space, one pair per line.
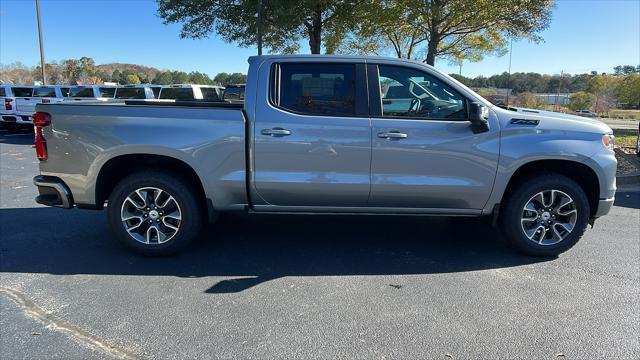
210, 94
2, 92
130, 93
22, 91
177, 94
81, 92
44, 92
65, 91
107, 92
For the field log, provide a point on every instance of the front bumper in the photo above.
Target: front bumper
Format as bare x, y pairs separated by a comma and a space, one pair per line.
53, 192
604, 206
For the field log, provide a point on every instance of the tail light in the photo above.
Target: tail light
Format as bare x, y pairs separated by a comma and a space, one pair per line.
7, 104
40, 120
46, 101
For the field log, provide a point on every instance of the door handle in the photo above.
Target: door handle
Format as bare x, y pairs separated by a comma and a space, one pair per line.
392, 135
275, 132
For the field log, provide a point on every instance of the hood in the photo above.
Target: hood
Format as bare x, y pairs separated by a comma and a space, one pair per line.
552, 119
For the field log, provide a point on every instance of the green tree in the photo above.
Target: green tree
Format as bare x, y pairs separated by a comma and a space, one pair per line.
196, 77
453, 29
115, 76
629, 90
132, 79
180, 77
286, 22
581, 101
163, 78
221, 78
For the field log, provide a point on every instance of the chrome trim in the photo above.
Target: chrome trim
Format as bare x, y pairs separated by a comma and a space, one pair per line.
59, 186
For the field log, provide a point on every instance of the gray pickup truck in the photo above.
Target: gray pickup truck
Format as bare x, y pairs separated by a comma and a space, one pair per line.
316, 135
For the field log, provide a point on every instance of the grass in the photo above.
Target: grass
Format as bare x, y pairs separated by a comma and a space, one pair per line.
624, 114
625, 137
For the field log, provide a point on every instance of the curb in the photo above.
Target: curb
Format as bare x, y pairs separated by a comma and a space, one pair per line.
629, 179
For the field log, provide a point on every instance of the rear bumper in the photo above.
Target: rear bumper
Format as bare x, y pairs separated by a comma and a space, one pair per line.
8, 118
53, 192
25, 119
604, 206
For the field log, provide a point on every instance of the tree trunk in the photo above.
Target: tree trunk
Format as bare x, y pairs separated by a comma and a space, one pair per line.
432, 47
315, 32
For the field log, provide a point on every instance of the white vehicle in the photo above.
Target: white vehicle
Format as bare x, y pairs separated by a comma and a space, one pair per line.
92, 93
8, 115
191, 92
141, 91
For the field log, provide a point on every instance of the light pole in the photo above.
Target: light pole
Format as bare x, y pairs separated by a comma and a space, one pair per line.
509, 78
44, 76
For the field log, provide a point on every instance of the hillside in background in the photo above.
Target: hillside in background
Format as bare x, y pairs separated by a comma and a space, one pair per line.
149, 71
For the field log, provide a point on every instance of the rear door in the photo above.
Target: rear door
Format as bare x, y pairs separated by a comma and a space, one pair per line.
425, 154
312, 143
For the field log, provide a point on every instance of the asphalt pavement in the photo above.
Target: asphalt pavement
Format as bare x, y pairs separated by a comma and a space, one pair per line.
269, 286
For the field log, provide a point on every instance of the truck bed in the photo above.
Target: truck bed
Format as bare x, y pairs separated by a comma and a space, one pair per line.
210, 137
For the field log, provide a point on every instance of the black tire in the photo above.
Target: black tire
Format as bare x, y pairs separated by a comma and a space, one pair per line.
511, 213
191, 211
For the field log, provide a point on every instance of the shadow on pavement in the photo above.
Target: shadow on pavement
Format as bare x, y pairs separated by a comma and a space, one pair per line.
16, 137
628, 199
256, 248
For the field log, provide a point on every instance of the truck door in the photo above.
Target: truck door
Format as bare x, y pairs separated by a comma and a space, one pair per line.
425, 154
312, 136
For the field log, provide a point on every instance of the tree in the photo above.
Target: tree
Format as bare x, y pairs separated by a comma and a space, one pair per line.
132, 79
581, 101
221, 78
285, 23
196, 77
116, 75
180, 77
163, 78
629, 90
454, 29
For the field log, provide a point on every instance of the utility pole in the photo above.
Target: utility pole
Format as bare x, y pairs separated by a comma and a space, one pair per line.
558, 92
259, 27
509, 77
44, 76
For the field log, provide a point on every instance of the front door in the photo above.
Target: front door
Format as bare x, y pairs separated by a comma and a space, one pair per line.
425, 154
312, 139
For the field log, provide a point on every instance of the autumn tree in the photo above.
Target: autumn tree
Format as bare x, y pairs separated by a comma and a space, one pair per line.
453, 29
581, 101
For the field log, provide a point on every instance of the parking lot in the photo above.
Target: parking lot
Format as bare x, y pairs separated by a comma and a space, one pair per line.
268, 286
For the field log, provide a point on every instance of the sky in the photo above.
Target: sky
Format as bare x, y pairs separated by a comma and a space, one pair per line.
584, 35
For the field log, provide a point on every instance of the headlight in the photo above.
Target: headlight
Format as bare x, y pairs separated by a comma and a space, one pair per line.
607, 141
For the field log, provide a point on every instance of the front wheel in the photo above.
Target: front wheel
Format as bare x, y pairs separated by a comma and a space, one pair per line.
545, 215
153, 213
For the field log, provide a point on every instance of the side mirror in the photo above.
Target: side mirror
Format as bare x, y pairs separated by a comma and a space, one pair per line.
479, 117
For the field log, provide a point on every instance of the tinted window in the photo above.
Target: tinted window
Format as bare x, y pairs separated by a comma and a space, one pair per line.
130, 93
2, 92
413, 93
81, 92
22, 91
210, 94
322, 89
234, 93
44, 92
156, 91
177, 94
65, 91
107, 92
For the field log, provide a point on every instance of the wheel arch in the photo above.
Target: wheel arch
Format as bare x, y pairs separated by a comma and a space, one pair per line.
117, 168
582, 174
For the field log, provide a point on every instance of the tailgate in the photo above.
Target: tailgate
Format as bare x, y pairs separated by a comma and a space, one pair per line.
26, 105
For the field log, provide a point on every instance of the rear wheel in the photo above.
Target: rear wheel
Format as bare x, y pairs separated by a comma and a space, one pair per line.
545, 216
154, 213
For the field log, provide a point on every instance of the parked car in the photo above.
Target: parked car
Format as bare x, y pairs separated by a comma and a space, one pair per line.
8, 115
191, 92
234, 93
135, 92
586, 113
92, 93
314, 136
